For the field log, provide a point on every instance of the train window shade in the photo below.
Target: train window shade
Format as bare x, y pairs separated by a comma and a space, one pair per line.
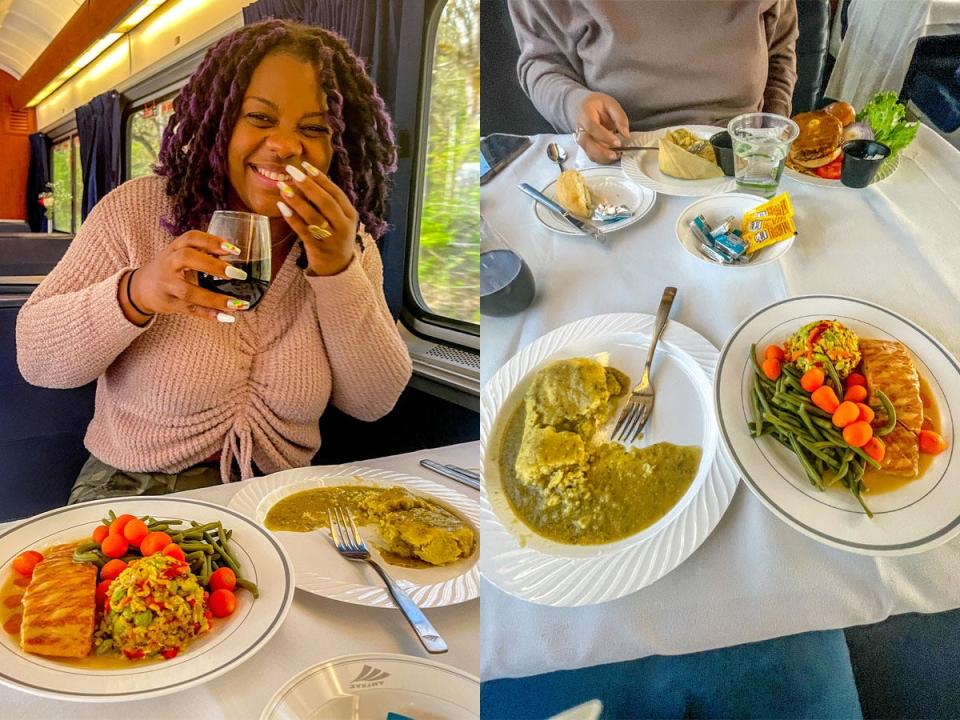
442, 279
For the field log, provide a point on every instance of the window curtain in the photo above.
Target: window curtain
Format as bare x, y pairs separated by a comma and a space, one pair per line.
37, 179
100, 131
372, 29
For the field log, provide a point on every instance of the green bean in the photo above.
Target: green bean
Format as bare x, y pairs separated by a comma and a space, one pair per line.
831, 372
795, 384
854, 487
767, 429
762, 397
87, 545
785, 425
757, 412
248, 585
196, 547
205, 572
231, 563
790, 369
807, 467
891, 412
864, 456
806, 421
81, 557
829, 461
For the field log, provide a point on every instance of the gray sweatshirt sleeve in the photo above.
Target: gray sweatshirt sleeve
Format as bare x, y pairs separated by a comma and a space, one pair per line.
549, 68
780, 23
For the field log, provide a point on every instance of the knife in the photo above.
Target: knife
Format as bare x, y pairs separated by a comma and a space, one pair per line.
584, 226
446, 471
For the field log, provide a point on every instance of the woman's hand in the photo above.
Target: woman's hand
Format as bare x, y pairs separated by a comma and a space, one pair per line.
322, 216
168, 283
601, 122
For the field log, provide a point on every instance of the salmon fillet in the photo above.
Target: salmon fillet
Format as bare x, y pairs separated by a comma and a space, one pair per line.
887, 366
59, 606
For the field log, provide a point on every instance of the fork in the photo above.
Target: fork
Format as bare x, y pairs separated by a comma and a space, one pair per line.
640, 403
344, 533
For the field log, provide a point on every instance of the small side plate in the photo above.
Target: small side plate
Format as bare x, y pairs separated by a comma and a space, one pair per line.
609, 185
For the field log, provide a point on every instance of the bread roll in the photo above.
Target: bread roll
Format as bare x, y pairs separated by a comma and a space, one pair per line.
573, 193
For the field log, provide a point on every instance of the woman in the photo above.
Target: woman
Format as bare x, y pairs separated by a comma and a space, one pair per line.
192, 388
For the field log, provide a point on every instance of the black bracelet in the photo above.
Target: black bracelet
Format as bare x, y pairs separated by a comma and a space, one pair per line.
130, 295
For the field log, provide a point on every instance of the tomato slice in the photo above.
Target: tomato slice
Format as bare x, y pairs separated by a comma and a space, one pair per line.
831, 171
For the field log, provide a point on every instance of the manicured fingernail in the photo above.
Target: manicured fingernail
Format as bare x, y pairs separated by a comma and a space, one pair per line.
295, 173
230, 247
310, 168
236, 273
237, 304
284, 209
225, 317
286, 189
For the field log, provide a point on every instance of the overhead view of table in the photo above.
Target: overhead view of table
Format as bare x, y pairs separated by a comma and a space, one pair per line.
754, 578
876, 51
316, 629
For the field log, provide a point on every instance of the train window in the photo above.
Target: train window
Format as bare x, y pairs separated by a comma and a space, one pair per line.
67, 184
444, 278
77, 183
144, 131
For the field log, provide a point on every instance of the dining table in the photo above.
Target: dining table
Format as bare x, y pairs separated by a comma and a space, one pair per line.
876, 51
754, 578
315, 630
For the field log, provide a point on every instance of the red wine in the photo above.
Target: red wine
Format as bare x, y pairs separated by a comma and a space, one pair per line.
251, 289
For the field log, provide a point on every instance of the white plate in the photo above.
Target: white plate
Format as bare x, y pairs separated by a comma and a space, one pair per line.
372, 685
643, 166
915, 518
715, 208
231, 641
529, 566
607, 184
817, 181
321, 570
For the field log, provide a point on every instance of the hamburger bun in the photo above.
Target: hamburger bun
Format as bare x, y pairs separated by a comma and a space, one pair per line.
818, 143
842, 111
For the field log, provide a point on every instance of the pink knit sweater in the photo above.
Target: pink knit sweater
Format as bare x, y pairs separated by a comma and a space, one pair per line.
180, 389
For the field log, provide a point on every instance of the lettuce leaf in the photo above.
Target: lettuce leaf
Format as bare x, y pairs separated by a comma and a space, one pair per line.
887, 116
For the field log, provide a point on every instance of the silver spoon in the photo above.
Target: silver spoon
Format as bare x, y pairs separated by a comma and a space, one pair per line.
556, 154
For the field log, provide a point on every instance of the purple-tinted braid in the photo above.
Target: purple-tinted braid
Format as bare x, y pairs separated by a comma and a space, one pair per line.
193, 152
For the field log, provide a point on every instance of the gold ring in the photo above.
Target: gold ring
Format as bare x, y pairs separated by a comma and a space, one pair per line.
320, 232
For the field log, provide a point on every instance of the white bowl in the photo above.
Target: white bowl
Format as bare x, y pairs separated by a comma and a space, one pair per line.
715, 208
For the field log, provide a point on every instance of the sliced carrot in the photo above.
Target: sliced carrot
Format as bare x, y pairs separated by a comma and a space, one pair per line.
812, 379
25, 562
855, 393
857, 433
775, 352
856, 379
875, 449
112, 568
154, 542
825, 398
931, 443
866, 413
120, 523
114, 545
100, 532
771, 368
846, 413
135, 531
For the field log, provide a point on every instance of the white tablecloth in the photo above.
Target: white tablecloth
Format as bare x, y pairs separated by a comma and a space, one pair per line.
895, 243
881, 36
316, 629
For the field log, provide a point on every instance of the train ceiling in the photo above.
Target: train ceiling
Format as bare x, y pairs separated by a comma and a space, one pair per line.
27, 27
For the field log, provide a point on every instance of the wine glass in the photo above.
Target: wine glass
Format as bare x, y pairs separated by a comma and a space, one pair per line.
251, 233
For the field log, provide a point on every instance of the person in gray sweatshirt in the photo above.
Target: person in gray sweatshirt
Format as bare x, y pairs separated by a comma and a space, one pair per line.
601, 68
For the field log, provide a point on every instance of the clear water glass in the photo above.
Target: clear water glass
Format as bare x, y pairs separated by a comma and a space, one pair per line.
761, 142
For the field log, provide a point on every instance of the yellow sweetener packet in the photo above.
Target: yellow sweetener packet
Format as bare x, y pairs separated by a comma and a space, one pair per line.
765, 231
777, 206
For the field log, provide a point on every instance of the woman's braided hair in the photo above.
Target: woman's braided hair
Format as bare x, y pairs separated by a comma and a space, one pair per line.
193, 152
